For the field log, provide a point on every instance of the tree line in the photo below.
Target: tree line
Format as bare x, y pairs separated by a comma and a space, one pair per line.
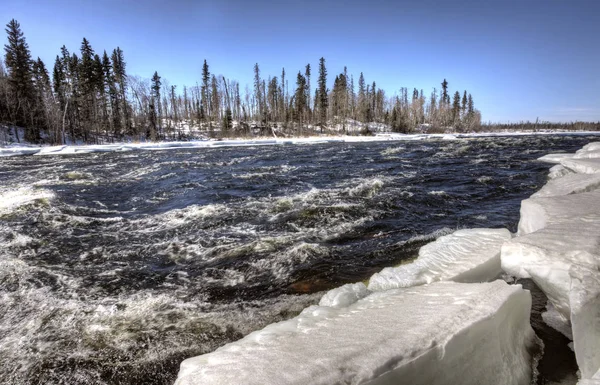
90, 97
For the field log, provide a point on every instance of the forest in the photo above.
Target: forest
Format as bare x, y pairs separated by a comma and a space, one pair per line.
90, 98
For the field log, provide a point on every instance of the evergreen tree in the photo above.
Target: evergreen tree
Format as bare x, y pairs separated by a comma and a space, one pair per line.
463, 108
307, 75
120, 77
156, 106
204, 103
445, 98
300, 102
323, 102
470, 107
456, 107
19, 65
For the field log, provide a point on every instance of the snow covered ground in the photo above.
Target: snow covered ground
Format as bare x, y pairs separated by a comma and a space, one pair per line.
28, 149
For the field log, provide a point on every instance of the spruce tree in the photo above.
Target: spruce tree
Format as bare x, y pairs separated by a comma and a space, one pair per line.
19, 65
456, 107
204, 103
445, 98
323, 102
464, 102
156, 104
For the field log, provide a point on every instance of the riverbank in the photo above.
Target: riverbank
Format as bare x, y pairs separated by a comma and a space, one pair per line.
431, 320
28, 149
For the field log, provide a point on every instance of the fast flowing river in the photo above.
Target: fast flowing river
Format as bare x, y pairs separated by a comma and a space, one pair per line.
115, 267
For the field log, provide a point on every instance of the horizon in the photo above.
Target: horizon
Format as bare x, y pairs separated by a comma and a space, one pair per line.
532, 70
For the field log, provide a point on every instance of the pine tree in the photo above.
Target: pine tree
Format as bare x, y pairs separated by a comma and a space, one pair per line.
456, 107
19, 65
445, 98
204, 103
300, 102
470, 107
463, 108
307, 75
156, 104
120, 77
323, 102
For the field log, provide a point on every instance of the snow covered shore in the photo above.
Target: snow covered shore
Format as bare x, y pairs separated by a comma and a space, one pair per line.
412, 325
27, 149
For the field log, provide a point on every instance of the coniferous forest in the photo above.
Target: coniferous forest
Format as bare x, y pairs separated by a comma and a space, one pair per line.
88, 96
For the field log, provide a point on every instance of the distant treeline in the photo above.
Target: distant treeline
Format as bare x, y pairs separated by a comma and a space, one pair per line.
537, 126
90, 97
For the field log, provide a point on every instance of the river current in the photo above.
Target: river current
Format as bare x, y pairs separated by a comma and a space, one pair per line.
114, 267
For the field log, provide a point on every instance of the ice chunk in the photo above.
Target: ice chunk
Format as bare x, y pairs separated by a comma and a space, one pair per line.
589, 151
443, 333
470, 255
557, 171
555, 158
569, 184
583, 166
17, 150
345, 295
547, 255
537, 213
585, 317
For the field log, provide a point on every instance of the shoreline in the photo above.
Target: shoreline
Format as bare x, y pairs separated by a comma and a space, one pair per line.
16, 149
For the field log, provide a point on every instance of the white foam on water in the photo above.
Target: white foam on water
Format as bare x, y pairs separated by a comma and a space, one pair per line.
12, 199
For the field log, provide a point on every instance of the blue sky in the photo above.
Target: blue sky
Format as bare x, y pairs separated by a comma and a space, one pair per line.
519, 59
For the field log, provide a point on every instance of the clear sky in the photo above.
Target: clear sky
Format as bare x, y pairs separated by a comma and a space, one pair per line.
520, 59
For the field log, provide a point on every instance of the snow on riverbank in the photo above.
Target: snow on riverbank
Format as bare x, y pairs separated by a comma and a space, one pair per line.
27, 149
410, 329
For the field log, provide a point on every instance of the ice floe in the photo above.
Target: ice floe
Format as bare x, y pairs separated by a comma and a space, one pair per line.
469, 255
584, 166
441, 333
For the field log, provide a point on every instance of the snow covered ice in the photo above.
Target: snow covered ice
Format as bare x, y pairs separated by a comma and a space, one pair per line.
585, 317
422, 335
469, 255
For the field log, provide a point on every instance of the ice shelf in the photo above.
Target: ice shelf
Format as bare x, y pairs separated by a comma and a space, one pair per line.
469, 255
443, 333
558, 246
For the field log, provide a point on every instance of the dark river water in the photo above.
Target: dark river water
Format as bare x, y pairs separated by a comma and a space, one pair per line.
115, 267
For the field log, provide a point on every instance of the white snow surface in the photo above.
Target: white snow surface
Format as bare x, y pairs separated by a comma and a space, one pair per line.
469, 255
345, 295
584, 297
443, 333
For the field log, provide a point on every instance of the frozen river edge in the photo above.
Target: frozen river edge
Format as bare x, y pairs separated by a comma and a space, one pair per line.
433, 321
28, 149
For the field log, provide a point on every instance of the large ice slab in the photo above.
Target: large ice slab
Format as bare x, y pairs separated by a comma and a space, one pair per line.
547, 255
589, 151
345, 295
443, 333
555, 158
537, 213
585, 317
569, 184
470, 255
583, 166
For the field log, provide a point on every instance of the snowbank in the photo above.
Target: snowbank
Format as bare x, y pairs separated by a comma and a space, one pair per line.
470, 255
453, 333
